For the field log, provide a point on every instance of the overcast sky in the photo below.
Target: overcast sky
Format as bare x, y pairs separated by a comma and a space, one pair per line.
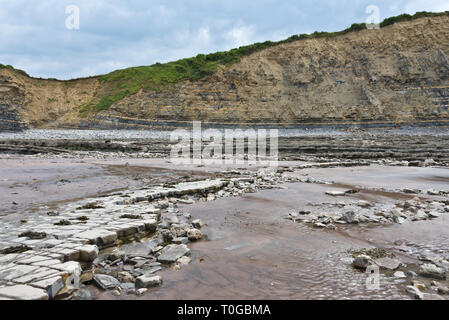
117, 34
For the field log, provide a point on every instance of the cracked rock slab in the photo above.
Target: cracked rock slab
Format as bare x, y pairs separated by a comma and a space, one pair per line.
23, 292
173, 252
106, 282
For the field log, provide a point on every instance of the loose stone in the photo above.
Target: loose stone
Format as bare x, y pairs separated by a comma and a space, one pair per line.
147, 281
106, 282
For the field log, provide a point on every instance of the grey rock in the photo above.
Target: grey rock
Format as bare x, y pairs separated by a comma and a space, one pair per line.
362, 262
23, 292
399, 275
151, 270
420, 215
128, 287
106, 282
82, 294
51, 285
148, 281
434, 214
173, 252
443, 290
349, 217
433, 192
430, 270
88, 253
411, 191
411, 274
141, 292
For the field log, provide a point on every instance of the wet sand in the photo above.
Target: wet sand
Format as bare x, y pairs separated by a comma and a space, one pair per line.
28, 184
253, 252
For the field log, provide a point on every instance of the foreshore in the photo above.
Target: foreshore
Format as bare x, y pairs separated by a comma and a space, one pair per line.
138, 226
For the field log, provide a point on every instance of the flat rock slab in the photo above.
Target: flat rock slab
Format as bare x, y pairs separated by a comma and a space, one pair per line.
23, 292
98, 237
173, 252
51, 285
17, 271
106, 282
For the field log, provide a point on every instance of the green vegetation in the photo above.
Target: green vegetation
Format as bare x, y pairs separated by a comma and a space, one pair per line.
128, 81
407, 17
317, 34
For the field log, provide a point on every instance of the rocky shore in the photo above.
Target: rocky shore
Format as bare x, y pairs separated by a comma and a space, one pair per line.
44, 255
414, 147
127, 242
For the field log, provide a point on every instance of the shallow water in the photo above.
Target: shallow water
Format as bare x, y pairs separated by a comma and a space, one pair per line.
254, 253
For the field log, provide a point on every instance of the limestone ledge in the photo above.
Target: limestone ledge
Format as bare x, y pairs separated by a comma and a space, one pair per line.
58, 246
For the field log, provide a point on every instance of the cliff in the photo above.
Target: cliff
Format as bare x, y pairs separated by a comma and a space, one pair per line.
397, 74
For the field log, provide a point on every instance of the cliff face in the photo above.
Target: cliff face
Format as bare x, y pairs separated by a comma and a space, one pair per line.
11, 98
398, 74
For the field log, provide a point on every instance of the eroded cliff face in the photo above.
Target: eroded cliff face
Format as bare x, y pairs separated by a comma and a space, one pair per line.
398, 74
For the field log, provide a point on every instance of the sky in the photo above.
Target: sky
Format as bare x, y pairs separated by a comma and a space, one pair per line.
44, 38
